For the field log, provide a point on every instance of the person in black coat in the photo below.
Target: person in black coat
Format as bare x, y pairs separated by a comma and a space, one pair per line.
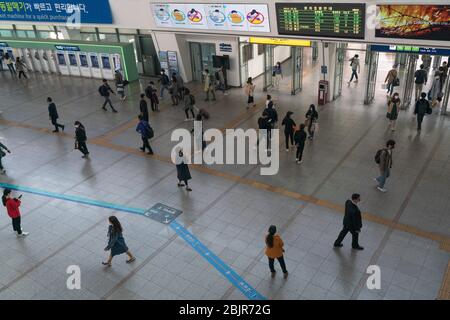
311, 119
263, 125
183, 173
289, 128
53, 114
143, 107
299, 139
421, 109
80, 139
352, 222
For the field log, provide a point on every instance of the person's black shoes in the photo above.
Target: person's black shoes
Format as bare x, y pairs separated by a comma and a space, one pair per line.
142, 149
358, 248
62, 128
54, 131
114, 110
104, 108
340, 245
150, 153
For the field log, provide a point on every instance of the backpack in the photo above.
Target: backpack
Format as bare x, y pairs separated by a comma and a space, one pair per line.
150, 132
192, 98
165, 79
100, 90
378, 156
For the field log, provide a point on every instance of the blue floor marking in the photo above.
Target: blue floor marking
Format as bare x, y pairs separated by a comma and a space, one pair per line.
201, 249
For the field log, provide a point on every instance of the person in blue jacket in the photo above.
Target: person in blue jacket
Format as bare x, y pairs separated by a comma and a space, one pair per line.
116, 242
146, 132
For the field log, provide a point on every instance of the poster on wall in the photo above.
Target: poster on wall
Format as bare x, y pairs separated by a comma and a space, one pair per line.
422, 22
238, 17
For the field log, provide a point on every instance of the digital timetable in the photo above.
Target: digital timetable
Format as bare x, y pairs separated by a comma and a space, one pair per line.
340, 20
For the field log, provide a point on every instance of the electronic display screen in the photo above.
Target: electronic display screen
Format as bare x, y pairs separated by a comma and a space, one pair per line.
422, 22
337, 20
73, 60
106, 63
61, 59
83, 60
94, 62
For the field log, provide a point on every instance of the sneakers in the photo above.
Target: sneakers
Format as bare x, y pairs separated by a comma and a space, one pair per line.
285, 274
358, 248
54, 131
115, 111
23, 234
381, 189
104, 108
188, 189
340, 245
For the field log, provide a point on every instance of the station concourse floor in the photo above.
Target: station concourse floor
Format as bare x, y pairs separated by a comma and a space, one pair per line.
406, 231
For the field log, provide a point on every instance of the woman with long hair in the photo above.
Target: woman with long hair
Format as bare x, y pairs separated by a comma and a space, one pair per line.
249, 90
274, 250
12, 206
289, 128
116, 242
311, 120
392, 112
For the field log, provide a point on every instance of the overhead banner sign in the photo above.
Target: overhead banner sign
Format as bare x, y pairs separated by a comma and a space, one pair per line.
66, 48
422, 22
410, 49
337, 20
234, 17
67, 11
280, 41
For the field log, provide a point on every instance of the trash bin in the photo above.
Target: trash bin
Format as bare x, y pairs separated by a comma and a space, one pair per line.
323, 92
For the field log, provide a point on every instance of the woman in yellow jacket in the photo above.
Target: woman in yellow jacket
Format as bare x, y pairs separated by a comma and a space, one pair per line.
274, 250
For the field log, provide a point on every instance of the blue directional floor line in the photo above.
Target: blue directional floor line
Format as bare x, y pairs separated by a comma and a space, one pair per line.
180, 230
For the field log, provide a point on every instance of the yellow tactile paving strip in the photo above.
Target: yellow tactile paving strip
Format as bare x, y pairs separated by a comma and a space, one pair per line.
444, 293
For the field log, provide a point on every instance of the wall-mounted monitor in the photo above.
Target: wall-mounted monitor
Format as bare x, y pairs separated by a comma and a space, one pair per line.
106, 63
219, 61
61, 59
309, 19
421, 22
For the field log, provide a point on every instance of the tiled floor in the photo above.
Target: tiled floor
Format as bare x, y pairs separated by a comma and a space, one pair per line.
227, 210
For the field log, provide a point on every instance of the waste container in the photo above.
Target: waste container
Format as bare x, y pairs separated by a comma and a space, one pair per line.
323, 92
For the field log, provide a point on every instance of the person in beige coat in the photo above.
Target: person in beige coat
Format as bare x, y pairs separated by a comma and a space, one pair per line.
390, 79
249, 89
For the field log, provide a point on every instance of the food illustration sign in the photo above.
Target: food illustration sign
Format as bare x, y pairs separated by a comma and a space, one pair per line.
236, 17
423, 22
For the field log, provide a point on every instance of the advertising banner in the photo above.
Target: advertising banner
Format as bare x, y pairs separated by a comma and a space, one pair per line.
422, 22
236, 17
81, 11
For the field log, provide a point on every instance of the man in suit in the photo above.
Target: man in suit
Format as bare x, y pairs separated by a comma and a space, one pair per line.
53, 114
352, 223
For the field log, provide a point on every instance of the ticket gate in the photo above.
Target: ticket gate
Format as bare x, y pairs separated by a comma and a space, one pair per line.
74, 68
62, 63
84, 65
107, 68
95, 66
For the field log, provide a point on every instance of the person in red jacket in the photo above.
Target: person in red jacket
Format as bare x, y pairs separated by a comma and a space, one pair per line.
12, 206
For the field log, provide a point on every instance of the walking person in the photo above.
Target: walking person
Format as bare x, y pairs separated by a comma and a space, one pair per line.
146, 132
173, 90
249, 90
311, 120
199, 141
2, 57
105, 91
221, 74
3, 148
272, 122
180, 85
392, 80
165, 82
354, 64
20, 66
275, 250
421, 77
189, 104
120, 85
80, 139
444, 72
435, 93
53, 115
289, 128
116, 242
143, 108
426, 61
422, 108
151, 94
183, 173
277, 74
384, 160
300, 139
263, 126
269, 102
352, 223
12, 207
209, 86
10, 63
393, 108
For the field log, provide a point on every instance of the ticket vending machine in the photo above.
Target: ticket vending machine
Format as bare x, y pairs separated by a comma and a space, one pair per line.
95, 66
107, 68
62, 63
2, 54
44, 60
36, 60
52, 61
74, 68
84, 65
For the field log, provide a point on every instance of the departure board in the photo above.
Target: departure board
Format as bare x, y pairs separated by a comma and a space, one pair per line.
340, 20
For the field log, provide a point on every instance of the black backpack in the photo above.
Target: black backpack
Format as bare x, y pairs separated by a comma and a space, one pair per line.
378, 156
192, 99
100, 91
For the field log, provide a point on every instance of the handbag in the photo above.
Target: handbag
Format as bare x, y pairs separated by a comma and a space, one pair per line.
396, 82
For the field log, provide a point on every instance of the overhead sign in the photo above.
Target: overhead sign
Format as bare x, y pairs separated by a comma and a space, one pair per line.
71, 11
3, 44
338, 20
424, 22
280, 41
162, 213
410, 49
66, 47
234, 17
225, 47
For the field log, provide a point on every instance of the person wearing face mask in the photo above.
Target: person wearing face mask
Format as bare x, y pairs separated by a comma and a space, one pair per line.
12, 206
165, 82
383, 158
183, 173
352, 223
392, 113
80, 139
435, 93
